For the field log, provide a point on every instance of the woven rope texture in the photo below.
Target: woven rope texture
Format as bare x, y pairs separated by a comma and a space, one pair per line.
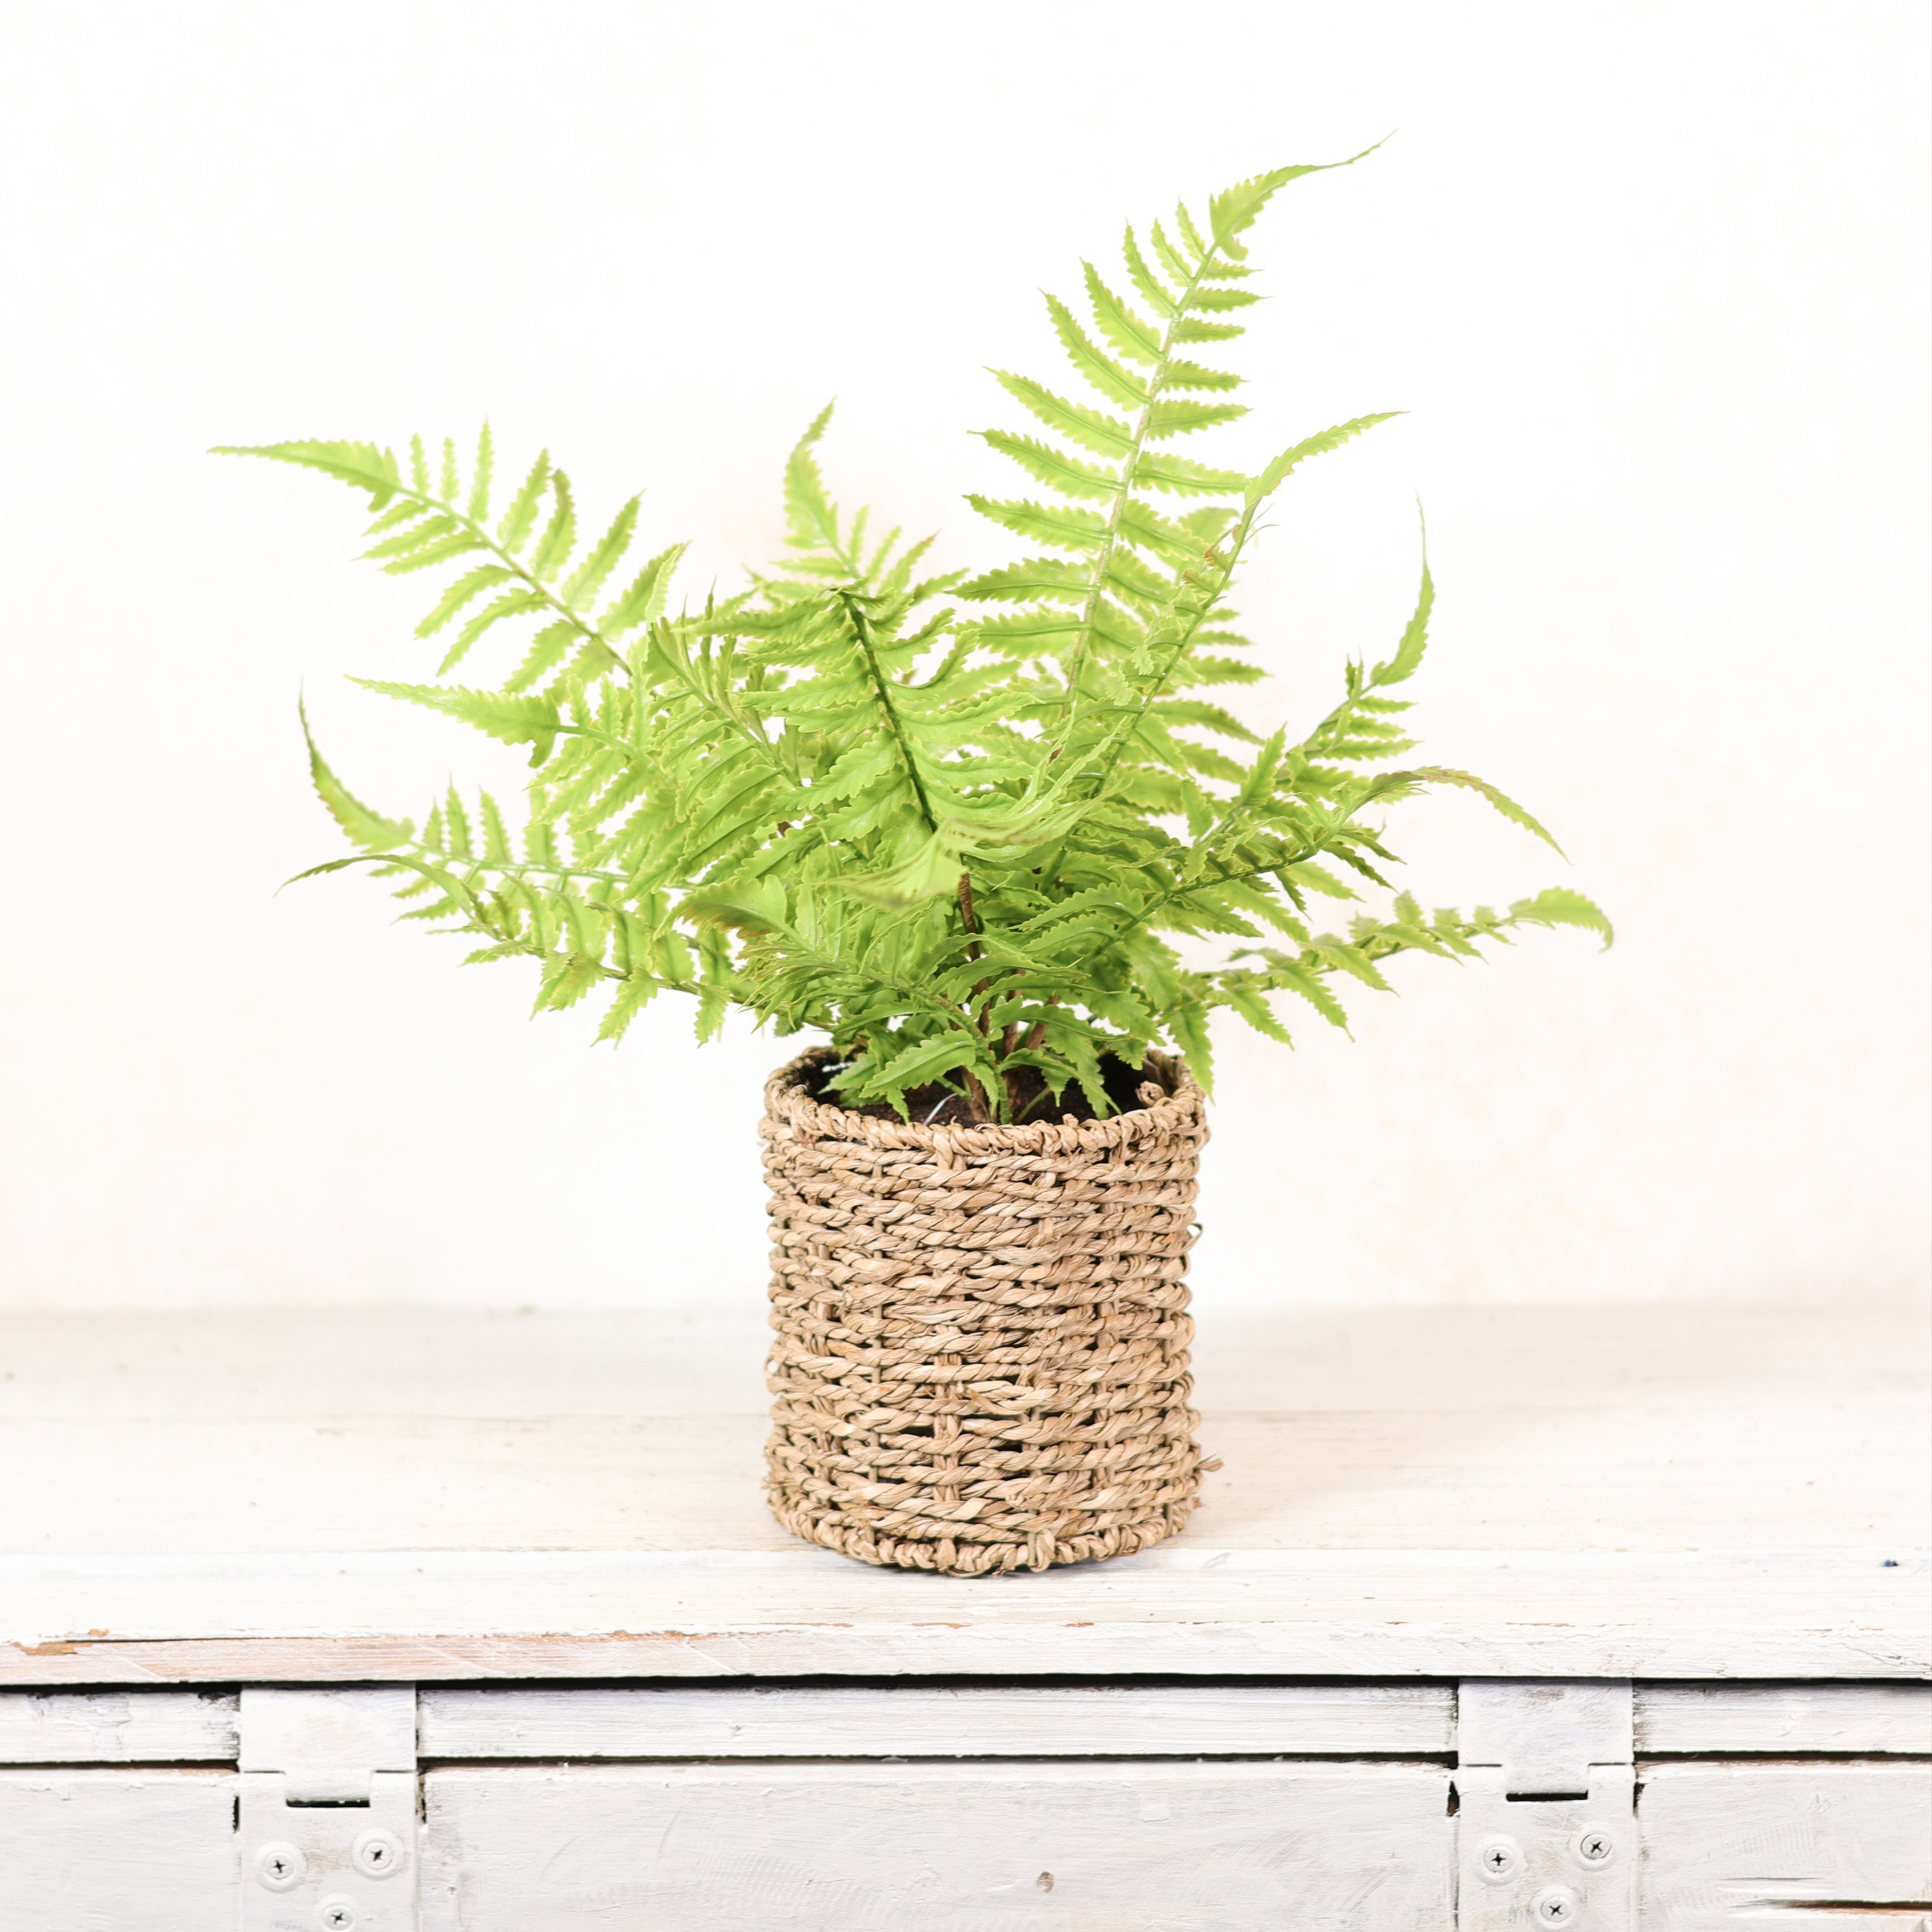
981, 1355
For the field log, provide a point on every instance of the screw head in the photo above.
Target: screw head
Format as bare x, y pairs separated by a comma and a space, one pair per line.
1594, 1845
1498, 1860
377, 1854
279, 1866
337, 1914
1555, 1905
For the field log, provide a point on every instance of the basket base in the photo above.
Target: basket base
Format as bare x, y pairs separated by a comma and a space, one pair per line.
953, 1556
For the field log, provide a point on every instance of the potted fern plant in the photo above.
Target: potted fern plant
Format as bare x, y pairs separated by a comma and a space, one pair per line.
990, 840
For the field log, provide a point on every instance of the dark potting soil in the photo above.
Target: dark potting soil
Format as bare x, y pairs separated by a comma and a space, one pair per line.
939, 1106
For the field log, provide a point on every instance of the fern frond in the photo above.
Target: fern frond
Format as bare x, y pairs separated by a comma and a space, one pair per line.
520, 519
366, 828
1101, 371
953, 822
1066, 474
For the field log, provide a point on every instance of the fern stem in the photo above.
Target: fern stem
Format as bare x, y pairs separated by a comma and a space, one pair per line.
509, 562
1136, 714
876, 671
1157, 377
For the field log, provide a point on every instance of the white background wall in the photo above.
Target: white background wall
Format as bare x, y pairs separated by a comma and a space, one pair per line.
1650, 278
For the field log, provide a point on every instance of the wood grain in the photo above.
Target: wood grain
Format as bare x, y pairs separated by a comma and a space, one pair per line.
1175, 1721
1866, 1719
840, 1848
419, 1620
106, 1851
1726, 1845
149, 1727
1597, 1492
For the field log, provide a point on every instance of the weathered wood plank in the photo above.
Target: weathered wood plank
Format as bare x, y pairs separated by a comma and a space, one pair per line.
801, 1612
1731, 1478
1863, 1719
1218, 1649
1724, 1508
1178, 1721
841, 1848
1726, 1845
104, 1851
152, 1727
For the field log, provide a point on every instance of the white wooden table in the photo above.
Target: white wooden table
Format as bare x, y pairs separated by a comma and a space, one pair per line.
1593, 1617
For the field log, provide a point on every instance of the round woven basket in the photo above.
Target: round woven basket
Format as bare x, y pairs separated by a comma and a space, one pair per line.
981, 1355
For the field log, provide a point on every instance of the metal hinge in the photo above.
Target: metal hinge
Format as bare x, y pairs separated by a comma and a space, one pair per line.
327, 1816
1547, 1816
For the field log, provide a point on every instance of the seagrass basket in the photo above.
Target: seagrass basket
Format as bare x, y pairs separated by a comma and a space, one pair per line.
980, 1361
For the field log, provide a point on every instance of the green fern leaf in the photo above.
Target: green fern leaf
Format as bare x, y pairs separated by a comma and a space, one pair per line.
636, 992
511, 603
520, 519
478, 509
559, 537
1558, 906
948, 835
1212, 298
1177, 374
1182, 267
418, 536
456, 822
1038, 577
1195, 329
1101, 371
361, 464
1177, 476
369, 829
811, 524
1188, 1020
1232, 212
1105, 435
1271, 478
1118, 323
470, 585
921, 1062
513, 721
1415, 633
1152, 291
590, 575
1153, 532
565, 981
645, 598
1251, 1004
1294, 978
1070, 477
1504, 804
547, 649
496, 837
1066, 530
1345, 957
459, 543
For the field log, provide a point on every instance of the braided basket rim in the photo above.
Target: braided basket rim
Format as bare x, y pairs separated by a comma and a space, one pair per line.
786, 1102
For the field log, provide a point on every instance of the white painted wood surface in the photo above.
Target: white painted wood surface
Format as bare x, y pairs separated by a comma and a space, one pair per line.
1144, 1819
117, 1727
970, 1848
416, 1498
1801, 1847
156, 1726
117, 1851
408, 1616
1171, 1721
1869, 1720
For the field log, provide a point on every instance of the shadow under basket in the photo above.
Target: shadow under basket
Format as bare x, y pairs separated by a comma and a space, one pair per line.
981, 1356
